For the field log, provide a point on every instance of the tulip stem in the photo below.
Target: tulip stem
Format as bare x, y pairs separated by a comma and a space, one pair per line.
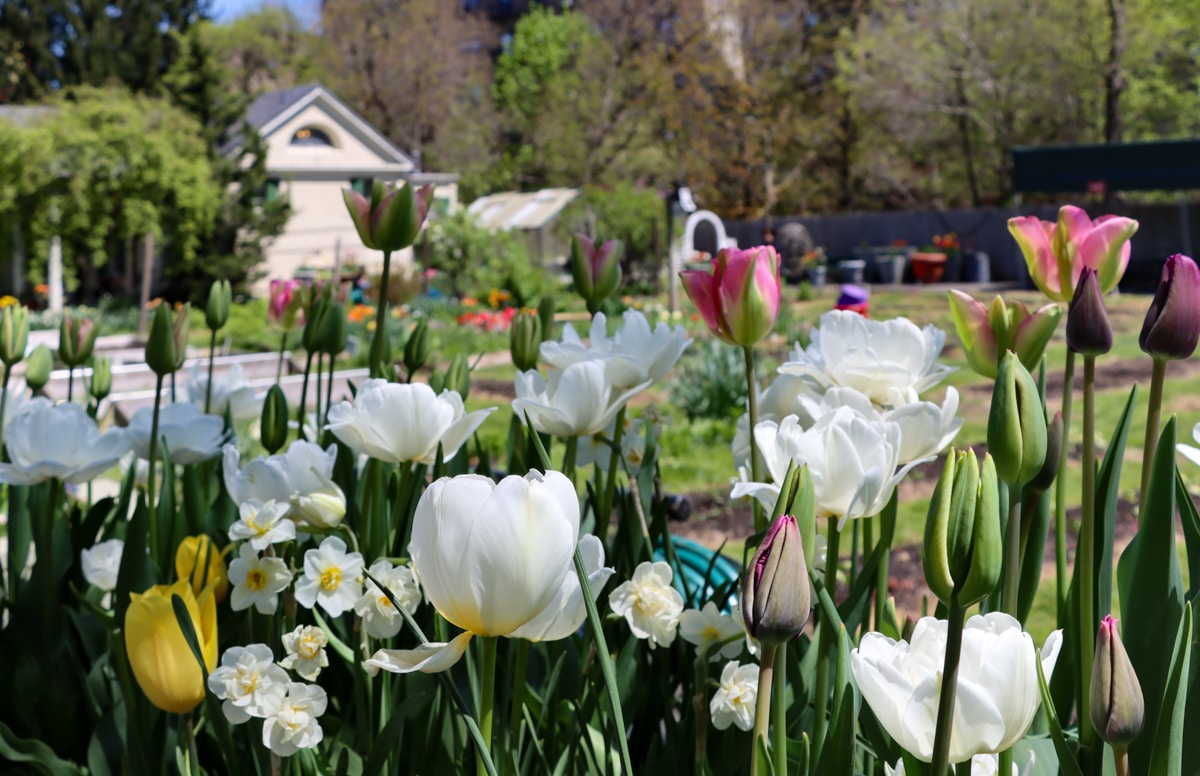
610, 484
1060, 493
887, 530
328, 395
381, 317
3, 403
569, 452
700, 709
520, 673
304, 397
487, 697
212, 352
1087, 552
1012, 551
282, 349
45, 557
151, 463
1153, 414
825, 644
762, 705
779, 701
1121, 756
760, 518
946, 696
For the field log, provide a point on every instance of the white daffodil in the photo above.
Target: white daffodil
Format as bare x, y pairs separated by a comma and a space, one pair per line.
997, 694
649, 603
1189, 452
249, 683
293, 725
59, 441
708, 626
262, 524
496, 559
398, 422
635, 352
231, 392
305, 647
101, 563
190, 436
257, 581
891, 362
379, 616
331, 577
733, 702
577, 401
302, 478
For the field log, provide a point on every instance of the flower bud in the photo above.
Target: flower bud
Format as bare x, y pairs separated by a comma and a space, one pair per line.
162, 661
334, 339
1054, 449
1016, 434
1172, 326
38, 368
220, 302
596, 269
181, 328
416, 347
1088, 330
314, 325
381, 351
274, 422
391, 219
739, 299
160, 345
76, 339
199, 561
101, 382
14, 333
458, 376
545, 312
285, 304
962, 553
525, 340
775, 588
987, 332
1117, 707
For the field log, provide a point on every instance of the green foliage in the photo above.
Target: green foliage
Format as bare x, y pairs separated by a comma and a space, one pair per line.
627, 212
476, 260
710, 382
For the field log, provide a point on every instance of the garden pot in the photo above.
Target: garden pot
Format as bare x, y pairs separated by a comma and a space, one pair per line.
953, 272
817, 275
977, 268
929, 267
851, 271
889, 268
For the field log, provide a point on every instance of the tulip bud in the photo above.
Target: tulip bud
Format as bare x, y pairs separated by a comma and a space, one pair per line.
38, 368
163, 664
775, 588
391, 219
1172, 326
160, 345
1016, 434
314, 325
525, 340
458, 376
1117, 707
962, 553
596, 269
545, 313
76, 339
1088, 330
739, 299
180, 330
1054, 449
273, 430
200, 562
285, 305
334, 339
416, 347
101, 382
220, 302
987, 332
381, 351
14, 334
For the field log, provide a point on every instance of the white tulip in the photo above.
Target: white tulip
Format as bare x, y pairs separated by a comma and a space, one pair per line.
302, 478
19, 402
1189, 452
231, 392
733, 702
891, 362
576, 401
649, 604
496, 559
981, 765
635, 353
59, 441
597, 449
190, 435
249, 683
997, 694
101, 563
397, 422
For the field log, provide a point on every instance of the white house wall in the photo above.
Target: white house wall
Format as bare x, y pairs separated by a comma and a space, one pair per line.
351, 154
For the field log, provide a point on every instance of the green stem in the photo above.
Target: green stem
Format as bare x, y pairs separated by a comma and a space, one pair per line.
700, 709
569, 452
520, 674
868, 544
945, 717
1060, 494
1153, 413
4, 403
1005, 762
1087, 552
317, 396
70, 382
45, 558
304, 396
328, 392
212, 352
487, 697
150, 488
1012, 551
887, 531
826, 637
279, 366
189, 734
779, 702
381, 317
762, 704
760, 518
610, 484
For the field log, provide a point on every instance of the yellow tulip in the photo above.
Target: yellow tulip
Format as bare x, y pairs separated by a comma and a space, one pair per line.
189, 564
162, 662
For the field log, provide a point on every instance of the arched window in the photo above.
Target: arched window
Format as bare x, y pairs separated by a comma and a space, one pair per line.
311, 136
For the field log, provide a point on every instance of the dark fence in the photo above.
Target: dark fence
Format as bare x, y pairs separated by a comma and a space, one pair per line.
1164, 229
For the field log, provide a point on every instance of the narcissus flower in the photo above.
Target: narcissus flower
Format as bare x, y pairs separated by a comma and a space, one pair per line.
379, 616
305, 647
649, 604
707, 627
331, 577
734, 701
988, 331
1057, 253
162, 661
739, 298
292, 725
257, 581
302, 478
262, 525
249, 683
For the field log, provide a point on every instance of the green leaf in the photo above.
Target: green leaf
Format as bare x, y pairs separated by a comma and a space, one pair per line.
1191, 534
1108, 487
40, 758
20, 536
386, 740
136, 572
1067, 766
1166, 758
184, 618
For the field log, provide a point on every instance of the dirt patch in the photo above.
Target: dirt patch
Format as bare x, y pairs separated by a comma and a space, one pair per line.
1111, 374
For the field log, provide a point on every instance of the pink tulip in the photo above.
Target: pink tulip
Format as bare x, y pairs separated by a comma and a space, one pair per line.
739, 300
391, 218
988, 331
596, 269
285, 305
1057, 253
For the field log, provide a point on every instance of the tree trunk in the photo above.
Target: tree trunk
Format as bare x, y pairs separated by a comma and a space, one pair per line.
1114, 78
964, 131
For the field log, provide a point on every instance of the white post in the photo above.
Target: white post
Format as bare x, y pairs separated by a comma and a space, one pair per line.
55, 273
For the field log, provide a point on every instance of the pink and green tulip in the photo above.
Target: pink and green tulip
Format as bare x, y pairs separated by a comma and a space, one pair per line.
391, 219
988, 331
739, 299
1056, 254
596, 269
285, 304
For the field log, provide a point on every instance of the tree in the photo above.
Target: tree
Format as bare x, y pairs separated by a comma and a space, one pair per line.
266, 50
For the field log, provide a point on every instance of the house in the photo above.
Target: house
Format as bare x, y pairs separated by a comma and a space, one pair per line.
317, 146
533, 212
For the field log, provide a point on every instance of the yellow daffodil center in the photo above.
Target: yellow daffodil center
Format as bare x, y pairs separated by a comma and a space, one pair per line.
711, 634
385, 602
256, 580
331, 578
308, 648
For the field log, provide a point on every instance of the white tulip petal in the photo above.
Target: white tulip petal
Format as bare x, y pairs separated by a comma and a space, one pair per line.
567, 611
431, 658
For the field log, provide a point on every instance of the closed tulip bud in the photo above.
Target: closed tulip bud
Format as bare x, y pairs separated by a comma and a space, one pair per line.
1088, 330
458, 376
38, 368
1117, 706
963, 552
220, 302
163, 664
596, 269
200, 562
314, 325
1172, 326
525, 340
14, 334
987, 332
739, 298
391, 219
416, 347
274, 422
1016, 434
775, 590
101, 382
334, 340
545, 312
76, 338
285, 304
181, 329
1054, 449
160, 345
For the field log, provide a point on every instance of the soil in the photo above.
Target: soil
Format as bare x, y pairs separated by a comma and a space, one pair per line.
1111, 374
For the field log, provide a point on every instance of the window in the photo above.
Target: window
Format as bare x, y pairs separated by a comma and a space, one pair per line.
311, 136
362, 185
272, 189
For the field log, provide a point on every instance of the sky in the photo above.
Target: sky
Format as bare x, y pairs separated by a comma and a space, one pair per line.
225, 10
